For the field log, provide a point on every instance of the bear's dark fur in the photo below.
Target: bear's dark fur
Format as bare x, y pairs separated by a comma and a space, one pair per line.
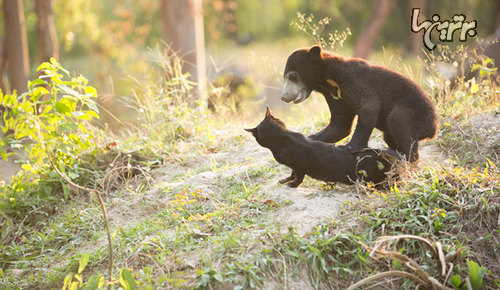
317, 159
381, 98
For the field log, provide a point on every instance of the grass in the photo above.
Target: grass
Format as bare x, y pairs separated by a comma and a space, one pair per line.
194, 204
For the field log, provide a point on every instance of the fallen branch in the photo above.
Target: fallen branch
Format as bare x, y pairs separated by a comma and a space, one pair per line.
388, 274
103, 208
419, 275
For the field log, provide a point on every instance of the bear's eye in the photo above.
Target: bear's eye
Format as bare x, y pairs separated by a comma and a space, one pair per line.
293, 77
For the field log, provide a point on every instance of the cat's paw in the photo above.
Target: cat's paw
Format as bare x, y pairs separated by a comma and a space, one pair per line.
293, 183
285, 180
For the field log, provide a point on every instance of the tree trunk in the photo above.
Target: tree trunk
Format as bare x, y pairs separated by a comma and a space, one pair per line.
182, 29
4, 85
416, 39
324, 8
16, 45
366, 40
46, 30
497, 18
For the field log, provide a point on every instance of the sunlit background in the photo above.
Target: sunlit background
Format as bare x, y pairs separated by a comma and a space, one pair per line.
245, 42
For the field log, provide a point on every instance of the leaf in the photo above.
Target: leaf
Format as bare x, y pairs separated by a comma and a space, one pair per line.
67, 281
69, 91
80, 115
62, 107
218, 277
39, 91
92, 106
455, 281
92, 113
84, 260
39, 82
475, 67
437, 225
396, 264
205, 279
474, 88
69, 127
43, 66
73, 286
380, 166
46, 110
90, 91
93, 282
79, 278
127, 280
476, 274
66, 192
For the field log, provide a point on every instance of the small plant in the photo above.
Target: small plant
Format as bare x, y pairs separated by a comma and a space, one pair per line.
208, 275
455, 97
168, 112
76, 280
316, 32
474, 279
50, 122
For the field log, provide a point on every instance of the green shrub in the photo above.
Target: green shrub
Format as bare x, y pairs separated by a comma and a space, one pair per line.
49, 124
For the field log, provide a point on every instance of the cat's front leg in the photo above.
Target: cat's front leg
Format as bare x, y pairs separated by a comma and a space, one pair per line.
299, 177
287, 179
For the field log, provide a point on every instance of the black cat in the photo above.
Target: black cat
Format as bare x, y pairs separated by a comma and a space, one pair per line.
320, 160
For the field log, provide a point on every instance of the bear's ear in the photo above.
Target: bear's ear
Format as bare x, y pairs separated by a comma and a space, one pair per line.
315, 51
268, 111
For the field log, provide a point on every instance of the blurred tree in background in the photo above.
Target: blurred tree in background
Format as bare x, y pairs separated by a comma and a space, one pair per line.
372, 27
48, 45
108, 39
15, 59
182, 30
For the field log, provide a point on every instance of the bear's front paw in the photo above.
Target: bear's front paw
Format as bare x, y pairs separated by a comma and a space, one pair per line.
293, 183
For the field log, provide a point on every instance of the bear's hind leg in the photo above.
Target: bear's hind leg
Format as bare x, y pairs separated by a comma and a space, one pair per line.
400, 136
406, 145
389, 141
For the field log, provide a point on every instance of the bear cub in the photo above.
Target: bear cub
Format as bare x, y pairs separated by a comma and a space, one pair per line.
317, 159
379, 97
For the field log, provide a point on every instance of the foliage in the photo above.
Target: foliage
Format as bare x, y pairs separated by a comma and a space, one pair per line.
473, 281
167, 110
49, 124
468, 138
316, 32
443, 205
75, 281
325, 254
231, 92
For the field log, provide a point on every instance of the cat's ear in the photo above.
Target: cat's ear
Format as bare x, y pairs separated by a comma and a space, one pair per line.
268, 111
253, 130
